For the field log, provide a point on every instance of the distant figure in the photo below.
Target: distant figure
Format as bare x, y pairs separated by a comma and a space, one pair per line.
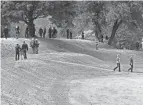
137, 46
118, 63
82, 35
25, 49
67, 33
50, 32
36, 45
54, 35
41, 32
26, 32
70, 35
131, 64
142, 45
106, 38
44, 33
97, 45
32, 45
17, 29
102, 38
6, 32
17, 51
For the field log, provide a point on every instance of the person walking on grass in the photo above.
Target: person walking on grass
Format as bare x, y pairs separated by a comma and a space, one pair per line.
131, 64
17, 51
24, 49
118, 63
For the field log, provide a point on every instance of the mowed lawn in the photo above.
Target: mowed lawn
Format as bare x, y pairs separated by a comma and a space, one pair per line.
70, 72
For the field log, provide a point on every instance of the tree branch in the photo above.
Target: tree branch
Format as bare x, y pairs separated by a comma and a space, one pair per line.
24, 19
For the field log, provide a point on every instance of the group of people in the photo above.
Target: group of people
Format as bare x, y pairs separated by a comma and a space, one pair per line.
34, 44
42, 32
6, 32
22, 51
52, 32
119, 66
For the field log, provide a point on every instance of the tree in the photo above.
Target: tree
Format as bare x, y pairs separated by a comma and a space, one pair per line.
97, 9
26, 11
121, 13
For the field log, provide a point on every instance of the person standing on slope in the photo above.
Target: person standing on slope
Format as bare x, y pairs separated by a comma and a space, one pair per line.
67, 33
44, 33
70, 35
36, 45
32, 45
54, 35
118, 63
41, 32
26, 32
97, 43
82, 35
6, 32
17, 31
17, 51
131, 64
24, 49
50, 32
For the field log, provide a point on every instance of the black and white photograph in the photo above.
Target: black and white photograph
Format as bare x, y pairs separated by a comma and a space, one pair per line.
71, 52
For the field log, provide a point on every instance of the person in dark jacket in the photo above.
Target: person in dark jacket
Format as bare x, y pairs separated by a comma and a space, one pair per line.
17, 51
44, 33
137, 45
41, 32
50, 32
67, 33
26, 32
82, 35
6, 32
24, 49
70, 35
17, 29
131, 64
54, 35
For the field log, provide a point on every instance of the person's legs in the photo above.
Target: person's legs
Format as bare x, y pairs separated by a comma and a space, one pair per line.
18, 55
25, 55
119, 67
131, 68
24, 51
116, 67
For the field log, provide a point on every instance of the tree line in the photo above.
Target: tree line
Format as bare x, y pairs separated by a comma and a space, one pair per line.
117, 19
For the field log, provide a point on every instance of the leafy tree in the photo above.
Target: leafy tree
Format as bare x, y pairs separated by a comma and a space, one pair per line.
96, 9
62, 12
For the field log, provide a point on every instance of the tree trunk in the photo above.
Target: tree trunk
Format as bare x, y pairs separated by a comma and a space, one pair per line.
97, 30
116, 25
31, 29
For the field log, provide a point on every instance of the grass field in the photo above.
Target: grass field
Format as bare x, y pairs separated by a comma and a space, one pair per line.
70, 72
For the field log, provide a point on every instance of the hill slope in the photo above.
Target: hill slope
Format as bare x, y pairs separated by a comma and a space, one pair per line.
66, 72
